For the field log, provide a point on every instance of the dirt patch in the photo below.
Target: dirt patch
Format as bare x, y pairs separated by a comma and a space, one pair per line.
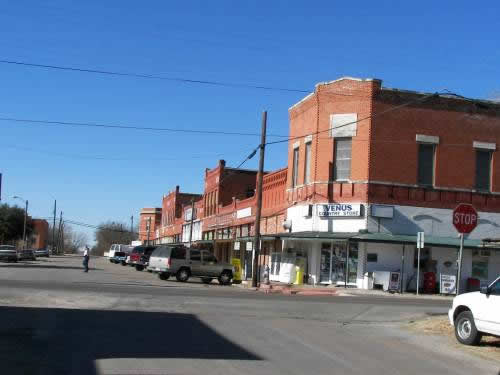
489, 347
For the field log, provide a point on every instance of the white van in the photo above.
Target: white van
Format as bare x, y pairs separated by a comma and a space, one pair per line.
127, 249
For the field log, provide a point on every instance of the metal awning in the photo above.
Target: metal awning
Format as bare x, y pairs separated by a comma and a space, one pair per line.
315, 236
252, 238
410, 239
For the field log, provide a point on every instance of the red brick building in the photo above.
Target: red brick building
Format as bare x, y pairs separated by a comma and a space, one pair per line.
149, 223
40, 234
368, 168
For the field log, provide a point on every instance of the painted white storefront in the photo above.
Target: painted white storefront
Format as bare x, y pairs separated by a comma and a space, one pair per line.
394, 220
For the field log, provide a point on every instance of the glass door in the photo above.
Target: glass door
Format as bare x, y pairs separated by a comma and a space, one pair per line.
338, 263
325, 271
353, 264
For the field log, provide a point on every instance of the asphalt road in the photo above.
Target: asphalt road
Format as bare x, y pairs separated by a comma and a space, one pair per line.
55, 319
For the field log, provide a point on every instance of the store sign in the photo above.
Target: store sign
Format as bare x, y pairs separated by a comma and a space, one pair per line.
394, 281
339, 210
245, 212
447, 284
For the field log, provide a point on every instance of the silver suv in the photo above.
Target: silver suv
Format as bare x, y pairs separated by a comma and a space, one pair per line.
184, 262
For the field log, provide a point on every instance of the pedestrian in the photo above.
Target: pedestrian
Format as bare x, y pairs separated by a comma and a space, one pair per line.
86, 255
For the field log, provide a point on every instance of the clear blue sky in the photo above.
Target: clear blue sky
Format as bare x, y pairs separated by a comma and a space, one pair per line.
424, 46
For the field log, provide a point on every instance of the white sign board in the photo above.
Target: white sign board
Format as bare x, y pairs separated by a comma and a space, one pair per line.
245, 212
420, 240
339, 210
236, 245
394, 281
249, 246
448, 284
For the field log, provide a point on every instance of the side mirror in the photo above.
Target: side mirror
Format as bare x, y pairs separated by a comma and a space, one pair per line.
485, 290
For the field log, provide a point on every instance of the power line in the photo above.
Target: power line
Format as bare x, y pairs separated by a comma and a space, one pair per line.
152, 76
77, 156
129, 127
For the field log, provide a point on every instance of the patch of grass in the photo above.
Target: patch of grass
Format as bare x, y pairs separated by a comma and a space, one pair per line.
488, 348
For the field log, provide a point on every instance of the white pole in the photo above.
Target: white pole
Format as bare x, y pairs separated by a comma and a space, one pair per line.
460, 256
418, 268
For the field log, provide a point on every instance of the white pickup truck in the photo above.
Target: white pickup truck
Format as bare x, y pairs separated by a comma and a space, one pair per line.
476, 313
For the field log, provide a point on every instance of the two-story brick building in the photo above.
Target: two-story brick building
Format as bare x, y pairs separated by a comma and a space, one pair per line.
369, 167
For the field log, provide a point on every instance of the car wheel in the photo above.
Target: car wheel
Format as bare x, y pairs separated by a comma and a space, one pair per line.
111, 261
206, 280
164, 275
182, 275
225, 278
465, 329
139, 268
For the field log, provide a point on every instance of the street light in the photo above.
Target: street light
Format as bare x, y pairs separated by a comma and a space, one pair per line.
25, 217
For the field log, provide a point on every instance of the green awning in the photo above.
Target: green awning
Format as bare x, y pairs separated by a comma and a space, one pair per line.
409, 239
252, 238
315, 236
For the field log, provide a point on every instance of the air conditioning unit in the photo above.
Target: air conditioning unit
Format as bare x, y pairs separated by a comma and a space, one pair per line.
485, 253
307, 210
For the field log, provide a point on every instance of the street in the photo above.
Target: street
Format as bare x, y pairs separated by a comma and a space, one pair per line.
115, 320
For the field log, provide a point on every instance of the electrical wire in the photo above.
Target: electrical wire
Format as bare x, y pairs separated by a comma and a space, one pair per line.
132, 127
152, 76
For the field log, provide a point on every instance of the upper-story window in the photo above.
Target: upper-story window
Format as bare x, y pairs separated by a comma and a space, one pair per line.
483, 170
295, 170
426, 161
343, 152
307, 163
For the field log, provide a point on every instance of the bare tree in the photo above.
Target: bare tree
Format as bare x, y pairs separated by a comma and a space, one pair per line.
112, 232
73, 240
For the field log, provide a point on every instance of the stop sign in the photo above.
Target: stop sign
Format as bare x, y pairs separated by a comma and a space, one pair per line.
465, 218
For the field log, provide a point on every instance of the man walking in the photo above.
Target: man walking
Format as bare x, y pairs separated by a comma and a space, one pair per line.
86, 255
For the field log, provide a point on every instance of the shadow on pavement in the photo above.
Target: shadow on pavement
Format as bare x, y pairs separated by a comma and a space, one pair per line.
34, 265
66, 341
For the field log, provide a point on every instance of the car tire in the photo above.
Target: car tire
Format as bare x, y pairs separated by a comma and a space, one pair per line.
206, 280
465, 329
225, 278
163, 275
183, 275
139, 267
111, 261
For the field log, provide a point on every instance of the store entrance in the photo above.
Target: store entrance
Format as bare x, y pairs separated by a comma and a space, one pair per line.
333, 263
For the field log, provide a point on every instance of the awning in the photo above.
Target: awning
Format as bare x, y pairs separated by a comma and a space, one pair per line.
252, 238
315, 236
409, 239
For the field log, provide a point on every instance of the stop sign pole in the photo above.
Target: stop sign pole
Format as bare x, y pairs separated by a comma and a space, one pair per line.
465, 220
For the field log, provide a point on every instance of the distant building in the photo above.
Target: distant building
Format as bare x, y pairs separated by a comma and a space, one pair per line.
40, 234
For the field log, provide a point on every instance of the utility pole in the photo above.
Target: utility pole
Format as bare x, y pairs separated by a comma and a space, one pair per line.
24, 228
148, 224
62, 238
191, 223
59, 234
54, 227
256, 246
132, 226
460, 258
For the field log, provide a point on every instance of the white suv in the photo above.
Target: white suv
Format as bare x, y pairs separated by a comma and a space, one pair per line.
477, 313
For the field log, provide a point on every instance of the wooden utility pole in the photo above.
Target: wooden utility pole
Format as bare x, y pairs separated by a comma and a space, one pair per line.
260, 175
148, 228
132, 226
59, 234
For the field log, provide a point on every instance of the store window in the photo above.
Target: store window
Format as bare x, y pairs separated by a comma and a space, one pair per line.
307, 164
483, 170
426, 155
480, 268
425, 256
343, 151
295, 170
372, 257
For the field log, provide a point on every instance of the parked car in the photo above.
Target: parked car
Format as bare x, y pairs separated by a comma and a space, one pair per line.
119, 257
42, 253
185, 263
139, 257
8, 253
26, 254
119, 247
476, 314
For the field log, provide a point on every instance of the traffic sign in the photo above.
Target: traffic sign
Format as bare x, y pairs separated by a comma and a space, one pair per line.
465, 218
420, 240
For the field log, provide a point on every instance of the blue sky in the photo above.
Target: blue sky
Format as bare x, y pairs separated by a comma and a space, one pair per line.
424, 46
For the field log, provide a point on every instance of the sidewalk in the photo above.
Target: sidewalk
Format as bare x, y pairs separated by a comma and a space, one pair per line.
320, 290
